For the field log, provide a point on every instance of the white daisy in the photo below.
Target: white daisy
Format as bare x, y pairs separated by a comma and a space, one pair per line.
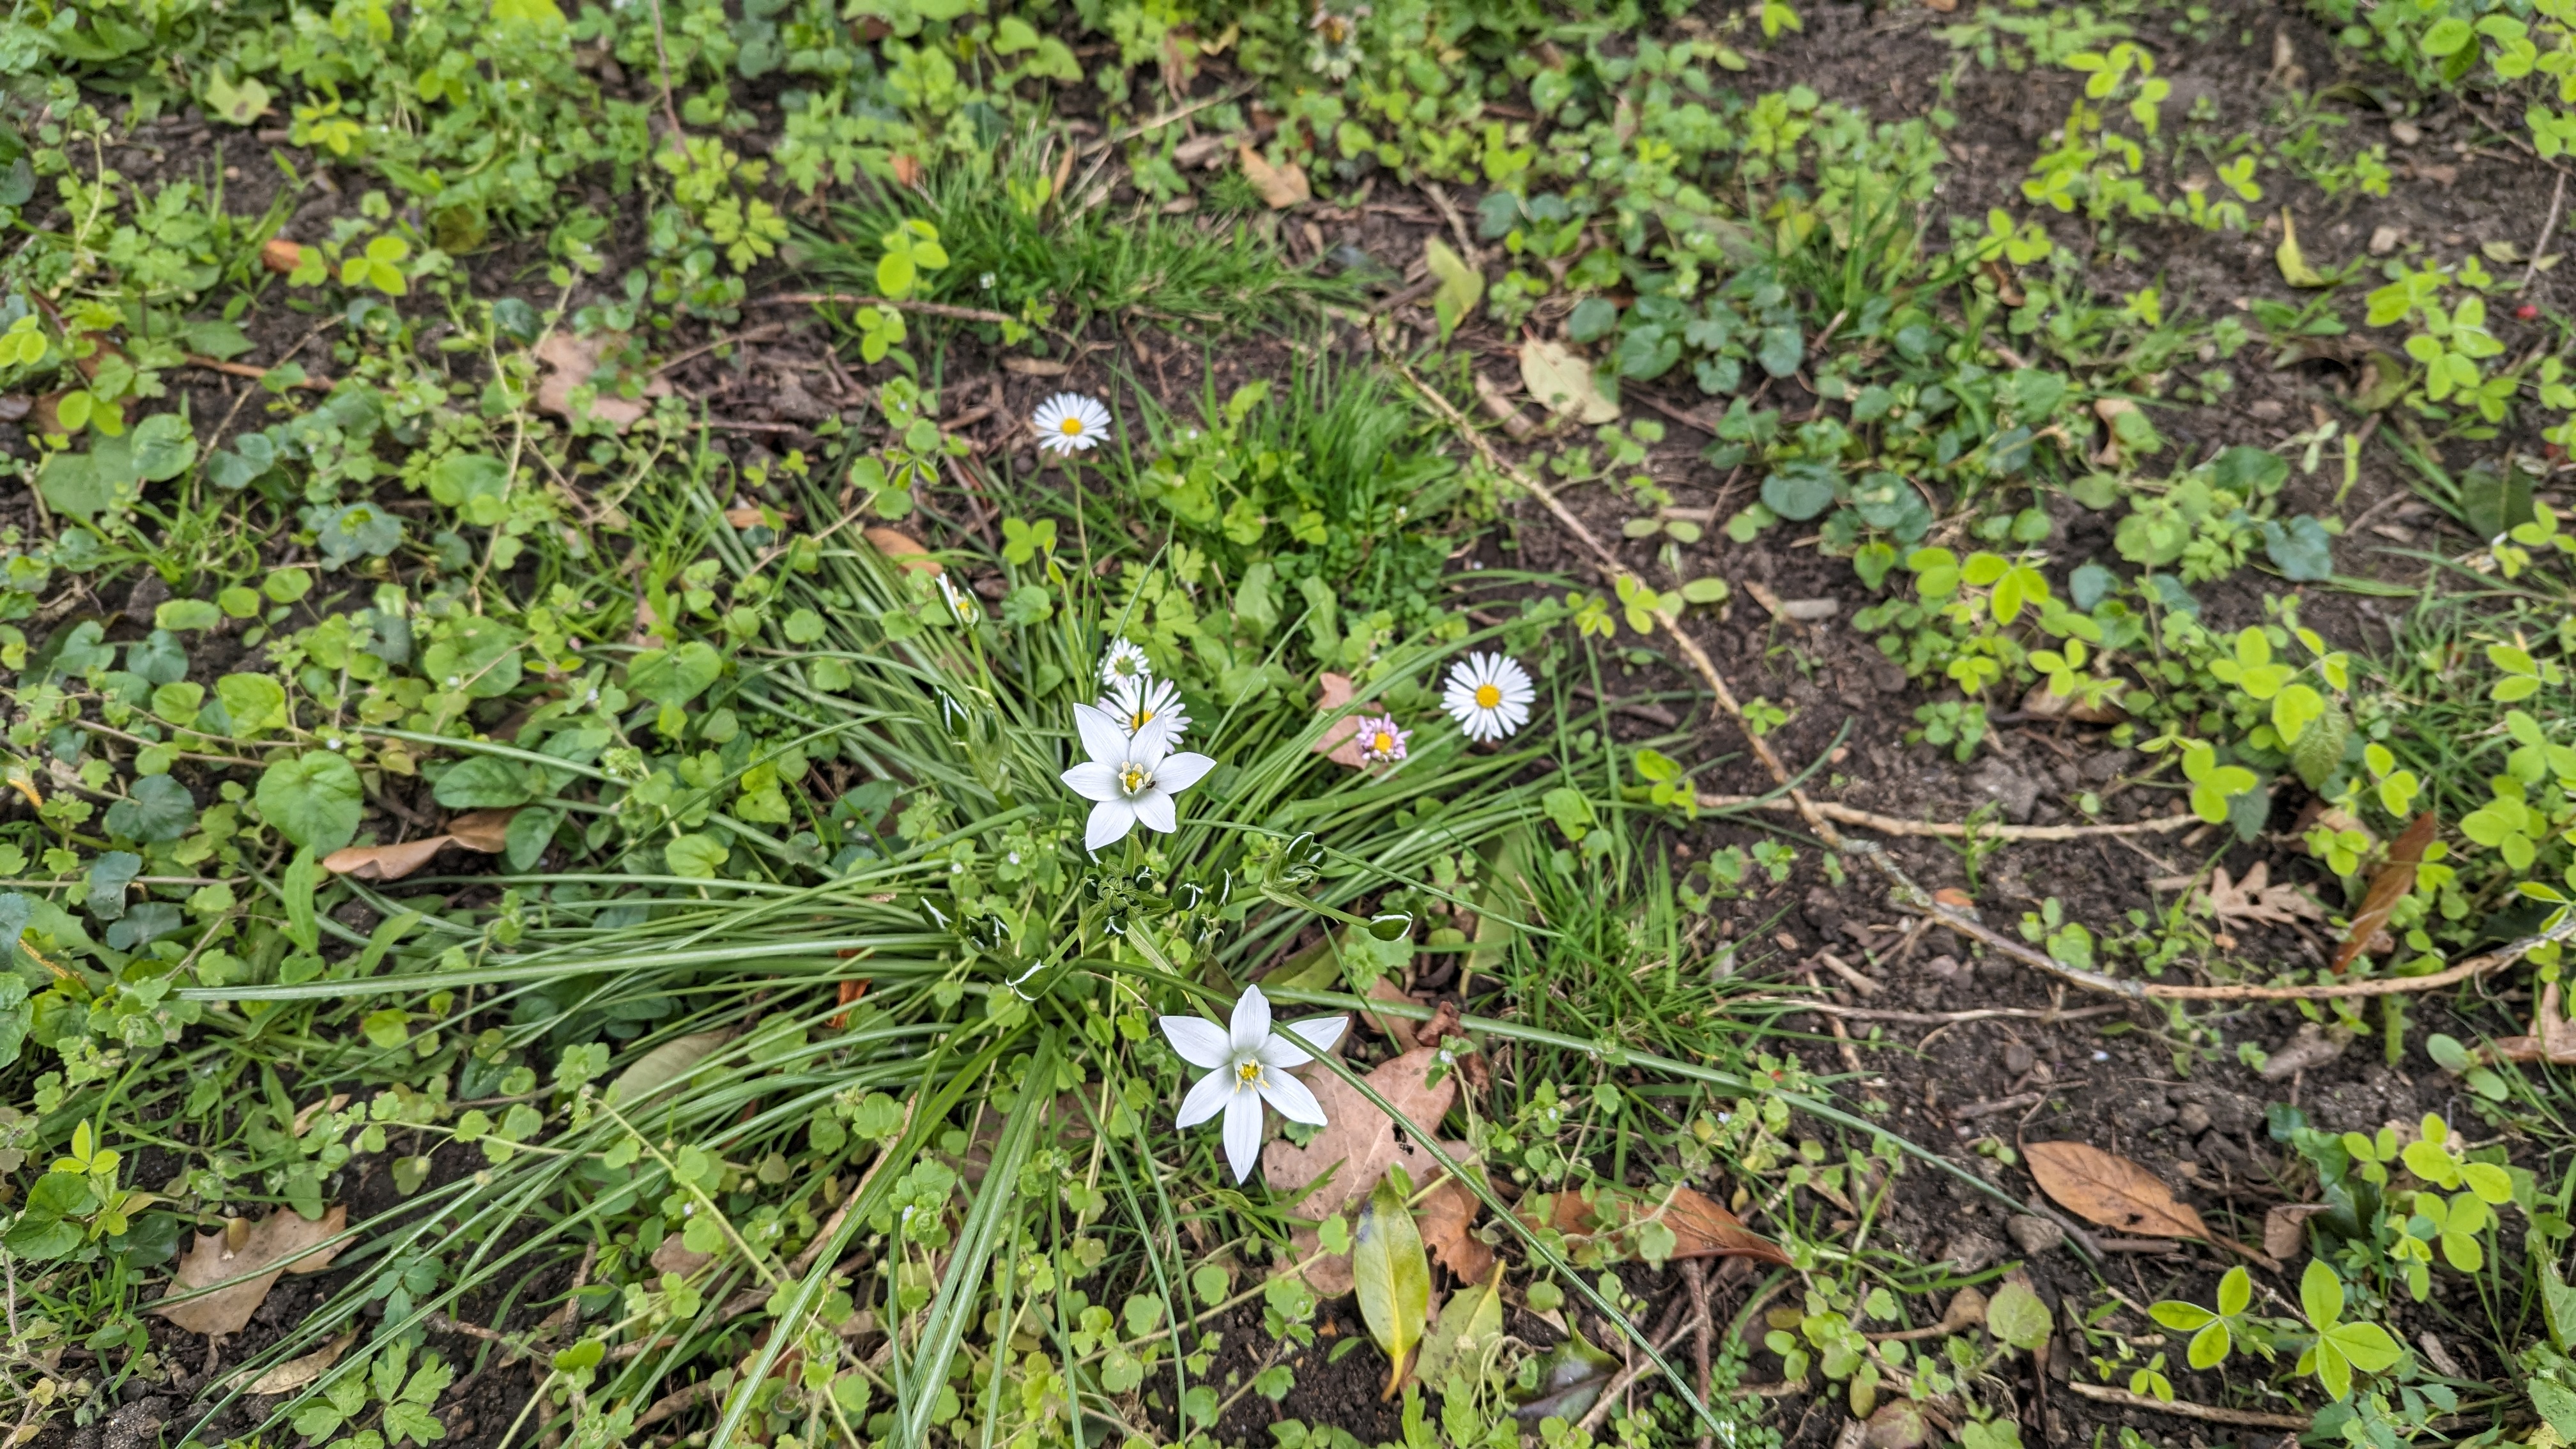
1136, 703
1131, 778
1123, 660
1070, 423
1489, 695
1247, 1066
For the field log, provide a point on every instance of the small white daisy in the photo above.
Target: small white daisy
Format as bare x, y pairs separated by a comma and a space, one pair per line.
1123, 661
1381, 743
1070, 423
1136, 703
1489, 695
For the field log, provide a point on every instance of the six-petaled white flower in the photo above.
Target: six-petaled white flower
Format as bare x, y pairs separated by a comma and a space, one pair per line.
1381, 743
1123, 661
1489, 695
1247, 1066
1130, 778
1136, 703
1070, 423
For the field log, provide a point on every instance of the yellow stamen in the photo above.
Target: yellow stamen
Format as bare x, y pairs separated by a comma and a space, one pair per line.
1248, 1073
1488, 696
1070, 427
1134, 779
1383, 743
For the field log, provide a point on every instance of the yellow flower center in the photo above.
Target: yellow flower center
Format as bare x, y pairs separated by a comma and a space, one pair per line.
1489, 696
1248, 1073
1139, 720
1134, 779
1070, 427
1383, 743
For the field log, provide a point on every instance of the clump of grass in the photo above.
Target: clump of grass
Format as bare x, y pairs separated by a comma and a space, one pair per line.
1027, 233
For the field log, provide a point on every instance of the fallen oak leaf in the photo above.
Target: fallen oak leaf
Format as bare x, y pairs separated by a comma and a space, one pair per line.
283, 1242
2393, 882
1341, 1164
569, 362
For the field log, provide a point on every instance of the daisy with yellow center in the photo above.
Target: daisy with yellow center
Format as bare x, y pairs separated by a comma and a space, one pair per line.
1381, 743
1489, 695
1069, 423
1136, 703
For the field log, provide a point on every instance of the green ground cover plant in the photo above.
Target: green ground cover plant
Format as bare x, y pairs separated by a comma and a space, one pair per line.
1115, 882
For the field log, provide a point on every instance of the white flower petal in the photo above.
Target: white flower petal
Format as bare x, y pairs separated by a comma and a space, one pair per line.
1093, 780
1102, 739
1109, 824
1292, 1099
1243, 1133
1153, 741
1154, 811
1179, 772
1208, 1096
1290, 1045
1251, 1024
1200, 1042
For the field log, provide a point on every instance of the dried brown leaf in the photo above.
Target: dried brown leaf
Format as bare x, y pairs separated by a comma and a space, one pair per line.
1282, 186
904, 549
2391, 883
280, 255
385, 862
1341, 741
2553, 1038
283, 1242
1399, 1028
2282, 1233
485, 830
1445, 1218
295, 1373
1701, 1227
2113, 1191
1361, 1142
2255, 898
569, 362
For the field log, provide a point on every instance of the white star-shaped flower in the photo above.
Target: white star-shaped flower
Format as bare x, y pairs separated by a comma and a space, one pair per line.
1131, 778
1247, 1066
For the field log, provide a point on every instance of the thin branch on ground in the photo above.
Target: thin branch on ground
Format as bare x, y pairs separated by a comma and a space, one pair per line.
900, 304
1950, 830
2182, 1408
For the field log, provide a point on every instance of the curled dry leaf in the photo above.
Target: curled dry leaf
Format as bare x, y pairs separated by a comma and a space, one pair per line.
2282, 1227
904, 549
2255, 898
485, 830
2553, 1037
2313, 1046
280, 255
283, 1242
384, 862
1035, 366
2113, 1191
295, 1373
2394, 881
1341, 741
1281, 186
